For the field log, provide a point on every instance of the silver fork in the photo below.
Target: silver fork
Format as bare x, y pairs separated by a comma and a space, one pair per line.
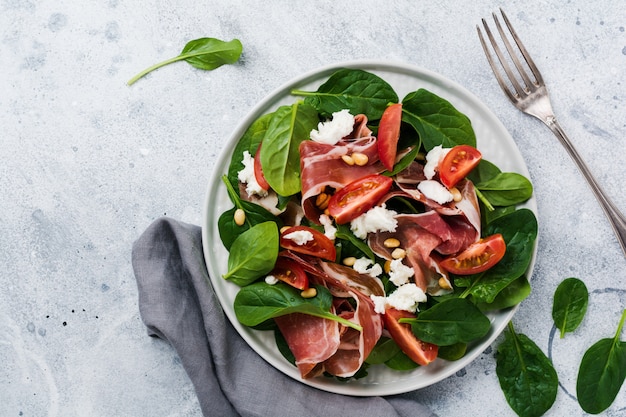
532, 98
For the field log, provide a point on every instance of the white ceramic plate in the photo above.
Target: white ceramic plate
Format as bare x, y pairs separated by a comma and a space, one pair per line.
494, 142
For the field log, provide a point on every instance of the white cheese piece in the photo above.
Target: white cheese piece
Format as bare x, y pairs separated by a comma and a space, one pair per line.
380, 303
362, 266
435, 191
299, 237
246, 176
331, 131
399, 273
330, 231
433, 158
406, 297
271, 280
377, 219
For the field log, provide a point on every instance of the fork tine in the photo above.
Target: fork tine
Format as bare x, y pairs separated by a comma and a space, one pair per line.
505, 66
522, 48
512, 53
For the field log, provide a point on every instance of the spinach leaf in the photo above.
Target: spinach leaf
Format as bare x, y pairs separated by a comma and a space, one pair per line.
506, 188
384, 350
526, 375
204, 53
453, 352
519, 230
570, 304
356, 90
253, 254
258, 302
509, 296
249, 142
280, 154
455, 320
602, 372
344, 233
436, 120
401, 362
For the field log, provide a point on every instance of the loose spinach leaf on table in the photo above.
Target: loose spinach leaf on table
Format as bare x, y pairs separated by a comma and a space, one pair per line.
280, 155
253, 254
204, 53
602, 372
452, 321
570, 305
436, 120
526, 375
259, 302
359, 91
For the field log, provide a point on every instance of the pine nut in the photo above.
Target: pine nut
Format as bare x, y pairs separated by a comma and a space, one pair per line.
360, 159
349, 261
456, 194
398, 253
387, 267
239, 217
392, 242
347, 159
444, 284
309, 293
284, 229
322, 201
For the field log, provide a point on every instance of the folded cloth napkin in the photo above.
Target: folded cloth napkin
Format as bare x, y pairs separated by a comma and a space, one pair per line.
177, 303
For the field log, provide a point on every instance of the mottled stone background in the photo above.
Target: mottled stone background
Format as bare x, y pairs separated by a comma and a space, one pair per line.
87, 163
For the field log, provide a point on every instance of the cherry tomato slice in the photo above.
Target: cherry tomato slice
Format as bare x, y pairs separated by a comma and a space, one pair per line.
358, 197
320, 245
388, 135
258, 170
478, 257
291, 273
420, 352
459, 162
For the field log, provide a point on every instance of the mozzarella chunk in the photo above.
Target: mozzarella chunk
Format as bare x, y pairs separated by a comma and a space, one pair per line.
362, 266
246, 176
435, 191
399, 273
331, 131
299, 237
330, 231
377, 219
433, 158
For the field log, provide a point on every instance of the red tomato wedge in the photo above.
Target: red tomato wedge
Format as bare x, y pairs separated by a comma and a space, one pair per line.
420, 352
388, 135
290, 272
258, 170
358, 197
478, 257
458, 162
319, 245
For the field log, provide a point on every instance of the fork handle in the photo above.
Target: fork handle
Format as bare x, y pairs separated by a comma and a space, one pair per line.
616, 218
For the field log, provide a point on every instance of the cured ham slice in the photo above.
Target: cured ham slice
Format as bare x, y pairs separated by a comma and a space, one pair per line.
312, 340
348, 348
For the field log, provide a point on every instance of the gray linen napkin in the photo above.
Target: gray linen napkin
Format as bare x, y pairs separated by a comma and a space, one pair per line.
177, 304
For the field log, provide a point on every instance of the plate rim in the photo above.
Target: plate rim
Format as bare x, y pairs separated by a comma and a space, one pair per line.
215, 178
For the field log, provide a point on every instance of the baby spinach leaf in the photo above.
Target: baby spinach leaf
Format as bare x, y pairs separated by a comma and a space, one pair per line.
453, 352
253, 254
509, 296
249, 142
455, 320
356, 90
258, 302
384, 350
602, 372
401, 362
280, 154
526, 375
204, 53
570, 304
506, 188
436, 120
344, 233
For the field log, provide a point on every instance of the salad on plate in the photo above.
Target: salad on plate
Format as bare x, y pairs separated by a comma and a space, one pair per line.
368, 231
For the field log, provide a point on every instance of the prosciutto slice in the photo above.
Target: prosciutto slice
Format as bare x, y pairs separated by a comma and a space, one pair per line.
344, 354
